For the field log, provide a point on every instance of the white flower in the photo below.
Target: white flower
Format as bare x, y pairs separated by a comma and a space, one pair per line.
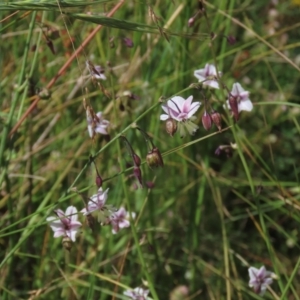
96, 122
242, 98
181, 110
120, 219
208, 76
260, 279
97, 204
65, 224
137, 294
95, 71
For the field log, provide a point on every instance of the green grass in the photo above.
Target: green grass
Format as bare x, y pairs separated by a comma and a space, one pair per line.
208, 217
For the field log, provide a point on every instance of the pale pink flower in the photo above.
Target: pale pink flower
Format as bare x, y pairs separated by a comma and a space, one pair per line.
120, 219
208, 76
240, 97
97, 204
65, 224
260, 279
181, 110
96, 123
137, 294
96, 72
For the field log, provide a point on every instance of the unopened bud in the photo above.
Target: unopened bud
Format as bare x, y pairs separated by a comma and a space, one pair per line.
154, 158
234, 107
99, 181
217, 119
191, 22
128, 42
171, 126
138, 175
150, 184
67, 243
137, 160
231, 39
51, 46
206, 120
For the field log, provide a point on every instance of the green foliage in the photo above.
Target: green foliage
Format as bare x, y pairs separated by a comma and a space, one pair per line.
208, 217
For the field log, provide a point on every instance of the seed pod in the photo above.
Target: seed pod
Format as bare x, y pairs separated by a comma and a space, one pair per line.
67, 243
154, 158
171, 126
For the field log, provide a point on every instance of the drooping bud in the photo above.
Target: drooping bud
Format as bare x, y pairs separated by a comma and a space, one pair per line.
136, 160
154, 158
191, 22
51, 46
206, 120
128, 42
231, 39
67, 243
217, 119
171, 126
234, 107
99, 181
150, 184
138, 175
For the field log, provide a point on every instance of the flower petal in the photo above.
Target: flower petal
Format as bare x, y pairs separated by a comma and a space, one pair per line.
164, 117
193, 108
71, 212
245, 105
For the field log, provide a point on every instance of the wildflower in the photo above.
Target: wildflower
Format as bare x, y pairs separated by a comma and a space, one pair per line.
97, 203
65, 224
96, 122
182, 111
206, 120
120, 219
208, 76
239, 100
260, 279
95, 71
137, 294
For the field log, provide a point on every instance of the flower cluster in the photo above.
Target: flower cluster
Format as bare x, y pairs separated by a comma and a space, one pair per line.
180, 113
137, 294
67, 226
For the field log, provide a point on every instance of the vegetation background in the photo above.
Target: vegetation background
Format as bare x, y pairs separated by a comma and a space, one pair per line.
208, 217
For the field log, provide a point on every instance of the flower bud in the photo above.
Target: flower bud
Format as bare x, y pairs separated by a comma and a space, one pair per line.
171, 126
231, 39
154, 158
234, 107
99, 181
137, 160
206, 120
138, 175
67, 243
150, 184
191, 22
128, 42
216, 118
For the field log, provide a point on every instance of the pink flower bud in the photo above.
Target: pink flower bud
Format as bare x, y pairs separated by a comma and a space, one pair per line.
171, 126
206, 120
138, 175
154, 158
217, 119
98, 181
128, 42
136, 160
191, 22
150, 184
231, 40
